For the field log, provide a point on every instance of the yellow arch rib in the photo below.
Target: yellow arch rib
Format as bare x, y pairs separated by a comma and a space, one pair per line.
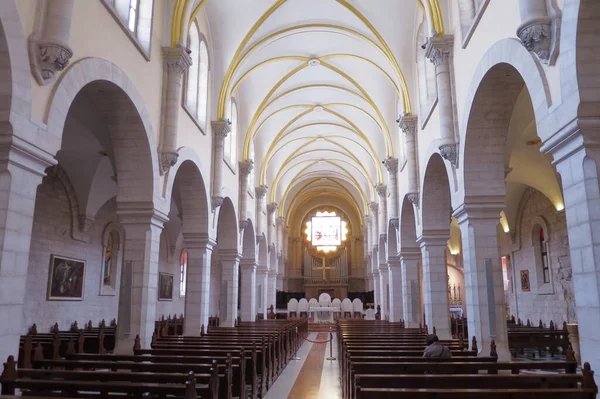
263, 63
176, 20
310, 195
313, 86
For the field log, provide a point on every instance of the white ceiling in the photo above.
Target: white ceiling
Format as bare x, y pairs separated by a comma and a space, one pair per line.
355, 84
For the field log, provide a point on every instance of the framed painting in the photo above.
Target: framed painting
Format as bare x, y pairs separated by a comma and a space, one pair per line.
66, 279
525, 284
165, 287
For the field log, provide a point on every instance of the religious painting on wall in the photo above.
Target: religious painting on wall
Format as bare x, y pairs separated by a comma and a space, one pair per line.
108, 261
165, 287
525, 287
66, 279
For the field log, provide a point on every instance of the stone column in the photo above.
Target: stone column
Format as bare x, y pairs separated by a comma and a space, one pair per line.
220, 130
279, 223
577, 159
374, 207
248, 281
384, 281
138, 296
176, 62
245, 168
484, 287
382, 220
49, 50
408, 124
411, 288
439, 51
377, 287
262, 279
370, 278
230, 281
535, 30
272, 289
271, 232
21, 172
395, 280
391, 164
279, 286
435, 276
197, 291
261, 192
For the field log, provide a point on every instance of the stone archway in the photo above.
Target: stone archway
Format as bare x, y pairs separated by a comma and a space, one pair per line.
248, 266
435, 216
228, 258
410, 257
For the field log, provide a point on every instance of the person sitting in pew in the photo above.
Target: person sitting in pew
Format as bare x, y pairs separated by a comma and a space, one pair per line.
435, 348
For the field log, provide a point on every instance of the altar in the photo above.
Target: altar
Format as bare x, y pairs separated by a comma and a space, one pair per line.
322, 314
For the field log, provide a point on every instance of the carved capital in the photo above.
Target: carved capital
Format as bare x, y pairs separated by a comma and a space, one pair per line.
216, 201
413, 198
168, 159
391, 164
374, 207
246, 167
243, 224
48, 58
536, 37
260, 191
439, 50
450, 153
280, 220
259, 238
408, 124
395, 222
220, 130
176, 60
272, 207
381, 189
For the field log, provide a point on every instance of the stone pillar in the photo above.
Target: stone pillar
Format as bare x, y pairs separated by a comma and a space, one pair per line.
271, 233
439, 51
484, 287
411, 288
370, 279
262, 279
384, 281
21, 172
577, 159
535, 30
230, 282
197, 291
377, 287
396, 290
374, 207
245, 168
248, 281
138, 296
49, 50
382, 220
260, 192
279, 222
272, 289
279, 281
435, 283
176, 62
220, 130
391, 164
408, 124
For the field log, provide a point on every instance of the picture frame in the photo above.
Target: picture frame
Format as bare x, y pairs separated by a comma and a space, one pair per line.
525, 282
165, 286
66, 279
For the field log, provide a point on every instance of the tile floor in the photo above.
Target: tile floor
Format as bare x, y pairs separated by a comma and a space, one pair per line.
318, 380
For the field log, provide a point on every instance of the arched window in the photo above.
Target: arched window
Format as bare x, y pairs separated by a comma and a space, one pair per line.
196, 91
230, 150
544, 257
111, 260
183, 273
135, 17
540, 239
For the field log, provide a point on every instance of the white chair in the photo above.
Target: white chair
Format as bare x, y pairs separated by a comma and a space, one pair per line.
292, 308
346, 308
357, 307
336, 303
303, 307
324, 300
313, 303
370, 314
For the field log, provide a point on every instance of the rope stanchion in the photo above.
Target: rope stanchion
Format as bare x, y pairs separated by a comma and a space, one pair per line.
331, 345
314, 342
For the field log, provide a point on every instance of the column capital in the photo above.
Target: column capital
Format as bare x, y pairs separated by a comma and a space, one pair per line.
579, 134
272, 207
439, 49
480, 207
374, 207
409, 254
198, 241
260, 191
536, 36
408, 124
280, 220
434, 238
413, 198
391, 164
140, 213
245, 167
220, 129
25, 155
381, 189
229, 255
176, 59
248, 265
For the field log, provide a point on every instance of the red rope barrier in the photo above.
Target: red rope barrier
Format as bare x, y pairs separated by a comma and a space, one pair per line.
314, 342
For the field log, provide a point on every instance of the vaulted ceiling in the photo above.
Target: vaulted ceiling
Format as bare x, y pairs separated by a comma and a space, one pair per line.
319, 85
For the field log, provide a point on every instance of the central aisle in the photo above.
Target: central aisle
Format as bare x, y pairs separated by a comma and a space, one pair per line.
311, 377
